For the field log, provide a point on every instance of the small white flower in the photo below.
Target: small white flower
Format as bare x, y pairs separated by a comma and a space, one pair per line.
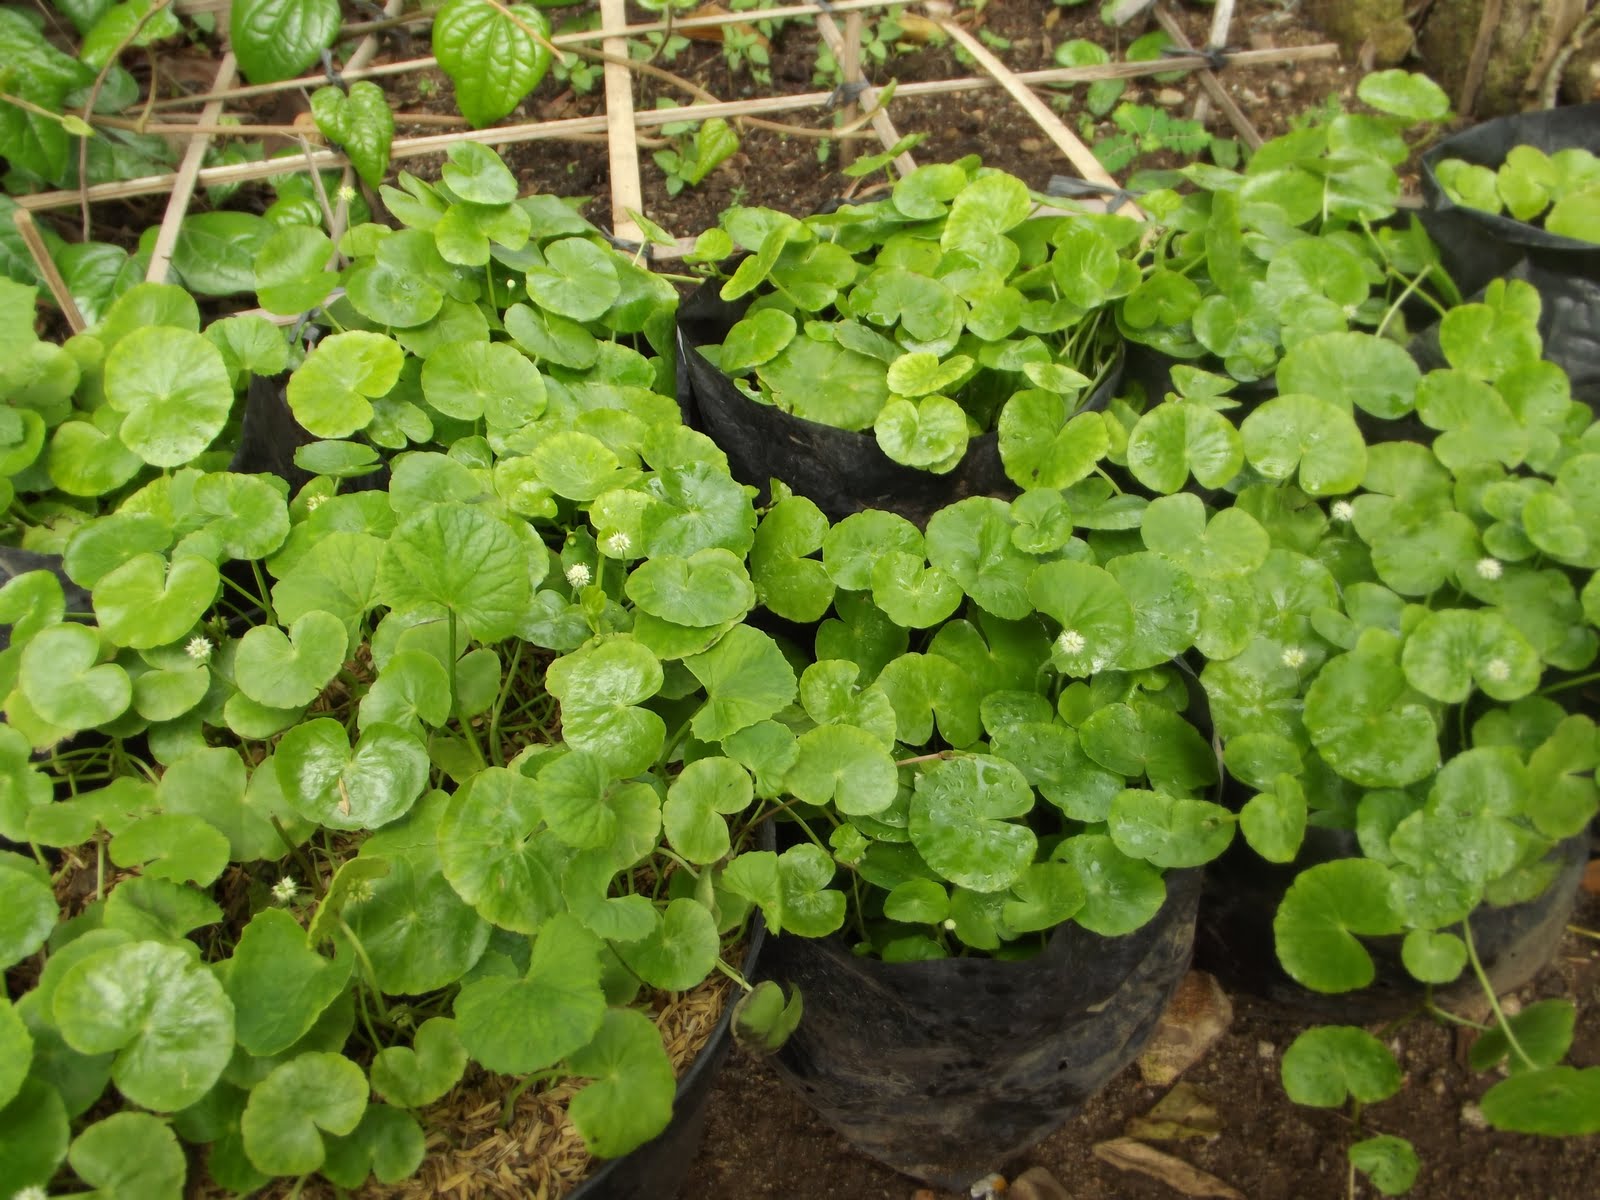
579, 575
284, 890
1497, 669
33, 1192
346, 193
950, 923
1070, 642
1490, 568
199, 648
1342, 510
361, 891
618, 545
1294, 657
314, 502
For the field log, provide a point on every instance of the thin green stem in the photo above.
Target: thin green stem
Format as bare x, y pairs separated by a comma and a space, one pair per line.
1568, 684
371, 973
500, 704
683, 863
266, 592
1494, 1000
734, 975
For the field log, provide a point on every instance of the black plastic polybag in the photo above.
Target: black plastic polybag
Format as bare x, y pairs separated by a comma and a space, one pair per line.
1234, 938
841, 471
945, 1070
1476, 247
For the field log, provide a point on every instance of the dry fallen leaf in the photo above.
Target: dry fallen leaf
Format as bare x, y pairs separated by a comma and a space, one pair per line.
1199, 1014
1184, 1112
1036, 1184
1126, 1154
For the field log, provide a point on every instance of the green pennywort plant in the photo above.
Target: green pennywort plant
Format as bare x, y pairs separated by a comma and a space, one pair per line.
334, 709
1422, 599
1252, 262
1559, 191
950, 308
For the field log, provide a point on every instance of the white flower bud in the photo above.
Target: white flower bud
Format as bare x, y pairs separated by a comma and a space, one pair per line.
1342, 510
579, 575
284, 890
618, 545
1490, 568
1497, 669
1070, 642
1294, 657
199, 648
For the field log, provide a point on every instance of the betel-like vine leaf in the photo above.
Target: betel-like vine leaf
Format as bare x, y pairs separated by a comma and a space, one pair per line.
361, 122
277, 39
494, 54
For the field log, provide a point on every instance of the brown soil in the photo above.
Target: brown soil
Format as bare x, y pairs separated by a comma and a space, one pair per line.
762, 1141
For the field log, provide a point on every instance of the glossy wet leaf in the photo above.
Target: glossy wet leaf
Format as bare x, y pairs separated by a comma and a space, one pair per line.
292, 1108
292, 274
130, 1154
959, 821
1168, 831
1120, 893
325, 781
147, 602
1327, 1065
175, 390
1368, 724
1274, 821
628, 1100
709, 587
853, 546
600, 688
971, 542
361, 122
1092, 609
1231, 544
1319, 916
1046, 895
331, 392
165, 1016
788, 580
491, 55
279, 985
1173, 441
1452, 651
519, 1024
1166, 604
490, 853
63, 680
930, 433
415, 1076
1303, 434
1044, 444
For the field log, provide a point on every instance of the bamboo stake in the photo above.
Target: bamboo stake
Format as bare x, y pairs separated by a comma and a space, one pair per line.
367, 50
1079, 155
579, 126
1478, 61
881, 124
627, 195
850, 72
1208, 80
183, 188
1221, 20
29, 232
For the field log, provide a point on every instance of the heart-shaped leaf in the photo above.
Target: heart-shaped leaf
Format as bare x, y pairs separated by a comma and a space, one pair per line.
326, 782
680, 951
1303, 433
147, 602
578, 280
1332, 1063
707, 588
1175, 440
361, 123
600, 688
629, 1098
415, 1076
164, 1015
279, 985
62, 682
845, 767
331, 392
1368, 724
277, 39
462, 559
1121, 893
491, 54
1451, 651
1319, 916
289, 1111
1044, 444
930, 433
290, 671
1169, 831
705, 791
492, 380
491, 854
130, 1154
517, 1025
1095, 615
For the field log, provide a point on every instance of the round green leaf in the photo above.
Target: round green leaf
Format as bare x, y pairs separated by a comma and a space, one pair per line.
277, 39
1174, 440
331, 392
1121, 893
16, 1052
971, 542
930, 433
1557, 1101
1315, 436
490, 853
175, 389
1388, 1161
165, 1015
1452, 650
1326, 1065
1368, 724
325, 781
62, 682
958, 821
1044, 444
463, 559
1094, 613
746, 678
172, 846
578, 280
756, 339
854, 545
629, 1098
147, 602
708, 588
415, 1076
290, 671
845, 767
1169, 831
279, 985
681, 950
291, 1108
1319, 916
1433, 956
600, 687
696, 802
1371, 373
130, 1154
468, 380
1404, 94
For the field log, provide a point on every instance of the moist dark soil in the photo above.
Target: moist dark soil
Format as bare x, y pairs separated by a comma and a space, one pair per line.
762, 1141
